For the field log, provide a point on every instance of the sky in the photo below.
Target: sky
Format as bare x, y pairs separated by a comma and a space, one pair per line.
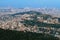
30, 3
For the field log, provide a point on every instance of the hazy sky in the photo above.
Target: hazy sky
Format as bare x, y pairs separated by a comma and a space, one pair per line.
30, 3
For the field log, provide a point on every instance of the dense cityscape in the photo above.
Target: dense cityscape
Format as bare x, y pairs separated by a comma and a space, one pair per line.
38, 20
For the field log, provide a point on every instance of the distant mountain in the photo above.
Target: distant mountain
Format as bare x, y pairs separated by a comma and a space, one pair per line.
11, 16
29, 12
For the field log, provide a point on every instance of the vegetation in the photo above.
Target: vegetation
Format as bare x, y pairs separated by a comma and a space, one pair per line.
15, 35
39, 24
